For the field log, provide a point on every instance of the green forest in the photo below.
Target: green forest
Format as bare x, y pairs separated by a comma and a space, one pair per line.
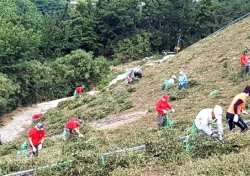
48, 47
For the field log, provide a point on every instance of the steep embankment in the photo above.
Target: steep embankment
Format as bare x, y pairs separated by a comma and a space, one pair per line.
210, 64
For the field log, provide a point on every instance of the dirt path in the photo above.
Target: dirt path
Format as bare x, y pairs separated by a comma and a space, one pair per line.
115, 122
21, 120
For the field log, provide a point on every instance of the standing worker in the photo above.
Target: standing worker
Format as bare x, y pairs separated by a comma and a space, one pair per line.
168, 82
244, 62
236, 108
182, 80
35, 139
79, 91
72, 125
206, 117
162, 107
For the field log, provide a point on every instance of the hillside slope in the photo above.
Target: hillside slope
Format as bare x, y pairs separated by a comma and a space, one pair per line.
210, 64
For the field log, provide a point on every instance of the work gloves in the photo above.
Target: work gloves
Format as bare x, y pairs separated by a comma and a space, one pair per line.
236, 118
244, 112
214, 135
40, 146
34, 149
220, 137
165, 111
80, 135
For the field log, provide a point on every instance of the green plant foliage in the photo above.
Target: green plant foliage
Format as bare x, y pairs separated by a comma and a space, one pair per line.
135, 48
204, 147
49, 6
17, 44
8, 148
164, 144
20, 12
7, 91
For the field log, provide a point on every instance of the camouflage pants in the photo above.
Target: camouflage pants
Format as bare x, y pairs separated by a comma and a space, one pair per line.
30, 151
66, 134
161, 120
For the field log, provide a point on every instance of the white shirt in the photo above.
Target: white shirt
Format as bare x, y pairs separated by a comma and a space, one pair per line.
138, 69
171, 81
204, 120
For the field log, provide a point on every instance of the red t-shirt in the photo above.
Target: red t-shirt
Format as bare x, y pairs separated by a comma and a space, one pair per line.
36, 135
243, 59
37, 116
161, 105
72, 124
79, 90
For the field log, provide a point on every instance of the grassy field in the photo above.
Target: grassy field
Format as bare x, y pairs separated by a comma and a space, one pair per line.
210, 64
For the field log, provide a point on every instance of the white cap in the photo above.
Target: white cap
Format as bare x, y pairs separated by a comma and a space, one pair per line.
173, 76
218, 111
181, 72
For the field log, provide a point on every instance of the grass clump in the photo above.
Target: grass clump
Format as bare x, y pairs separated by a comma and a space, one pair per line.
164, 145
204, 147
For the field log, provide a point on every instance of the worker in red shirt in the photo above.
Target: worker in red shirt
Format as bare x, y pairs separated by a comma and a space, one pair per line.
37, 116
72, 125
35, 139
162, 107
243, 62
79, 91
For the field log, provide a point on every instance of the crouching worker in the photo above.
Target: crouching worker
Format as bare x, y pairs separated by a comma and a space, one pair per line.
206, 117
162, 107
129, 76
72, 125
35, 139
168, 82
36, 116
78, 91
138, 71
182, 80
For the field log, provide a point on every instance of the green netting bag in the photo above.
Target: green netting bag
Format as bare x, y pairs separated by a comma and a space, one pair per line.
168, 123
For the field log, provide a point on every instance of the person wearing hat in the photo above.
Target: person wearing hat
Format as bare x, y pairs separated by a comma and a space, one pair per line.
182, 80
162, 106
72, 125
79, 91
168, 82
236, 108
244, 62
138, 71
206, 117
35, 139
129, 76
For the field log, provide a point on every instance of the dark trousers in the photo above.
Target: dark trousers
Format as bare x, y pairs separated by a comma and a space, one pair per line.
232, 124
136, 74
245, 69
